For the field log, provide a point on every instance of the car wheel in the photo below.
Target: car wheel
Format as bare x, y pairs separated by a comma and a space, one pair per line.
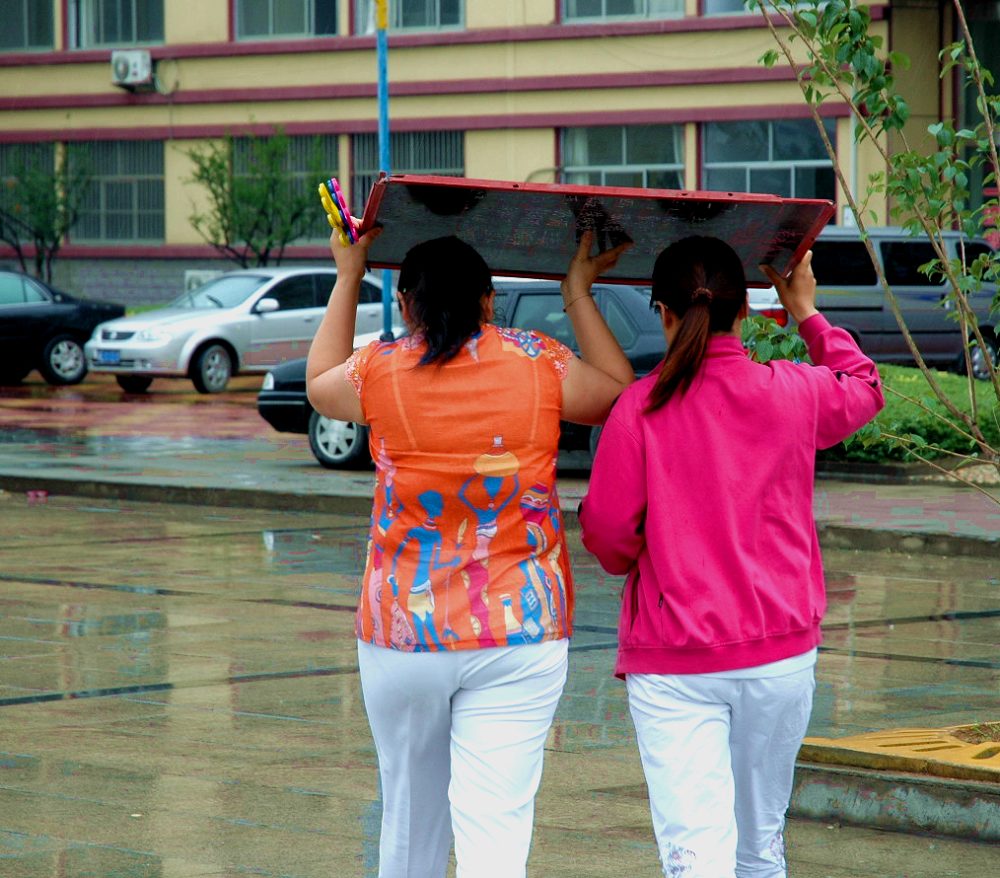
984, 362
338, 444
212, 368
133, 383
595, 437
63, 361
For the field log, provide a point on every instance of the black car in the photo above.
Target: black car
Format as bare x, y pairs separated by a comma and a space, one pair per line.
45, 329
527, 304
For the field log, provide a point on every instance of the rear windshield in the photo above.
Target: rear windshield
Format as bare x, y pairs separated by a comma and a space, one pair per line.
223, 292
842, 263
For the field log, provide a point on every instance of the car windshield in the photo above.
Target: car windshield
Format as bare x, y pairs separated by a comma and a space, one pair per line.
223, 292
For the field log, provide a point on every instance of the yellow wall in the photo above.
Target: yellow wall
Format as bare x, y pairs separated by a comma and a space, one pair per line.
200, 22
503, 154
637, 55
514, 153
915, 32
182, 198
508, 13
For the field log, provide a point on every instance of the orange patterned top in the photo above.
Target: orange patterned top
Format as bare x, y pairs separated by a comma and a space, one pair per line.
466, 549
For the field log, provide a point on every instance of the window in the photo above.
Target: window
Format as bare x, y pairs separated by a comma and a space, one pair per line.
27, 24
369, 295
15, 158
124, 201
308, 160
256, 19
115, 22
543, 312
410, 15
26, 172
583, 10
620, 326
726, 7
441, 153
784, 157
902, 260
16, 289
644, 156
843, 264
295, 293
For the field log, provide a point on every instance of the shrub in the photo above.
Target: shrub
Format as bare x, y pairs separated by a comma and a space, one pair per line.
920, 421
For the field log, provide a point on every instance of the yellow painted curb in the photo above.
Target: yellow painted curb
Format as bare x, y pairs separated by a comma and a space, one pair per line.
920, 751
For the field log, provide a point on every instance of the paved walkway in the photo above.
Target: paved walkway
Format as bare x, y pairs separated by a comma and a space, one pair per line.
279, 471
910, 641
179, 698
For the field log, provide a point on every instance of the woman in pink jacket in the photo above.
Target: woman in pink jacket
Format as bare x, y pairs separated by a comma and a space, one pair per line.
701, 495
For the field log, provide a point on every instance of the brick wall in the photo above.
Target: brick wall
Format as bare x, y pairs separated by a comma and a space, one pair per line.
137, 281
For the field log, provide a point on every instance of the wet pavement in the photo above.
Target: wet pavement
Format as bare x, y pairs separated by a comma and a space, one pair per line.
178, 683
176, 444
179, 697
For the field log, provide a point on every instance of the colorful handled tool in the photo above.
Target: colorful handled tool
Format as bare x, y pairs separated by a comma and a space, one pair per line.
337, 214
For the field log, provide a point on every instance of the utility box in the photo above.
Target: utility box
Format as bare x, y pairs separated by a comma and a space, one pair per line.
132, 69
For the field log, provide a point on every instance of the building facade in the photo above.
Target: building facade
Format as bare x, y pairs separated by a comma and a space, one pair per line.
658, 93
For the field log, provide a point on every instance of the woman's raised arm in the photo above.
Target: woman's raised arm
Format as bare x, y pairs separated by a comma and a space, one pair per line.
593, 381
330, 394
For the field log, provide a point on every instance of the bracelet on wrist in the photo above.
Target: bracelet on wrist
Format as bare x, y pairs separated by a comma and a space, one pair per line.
577, 299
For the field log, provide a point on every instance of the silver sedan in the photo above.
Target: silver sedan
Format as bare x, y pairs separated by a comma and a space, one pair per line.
243, 321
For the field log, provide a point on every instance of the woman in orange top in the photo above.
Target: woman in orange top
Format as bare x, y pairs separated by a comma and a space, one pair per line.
467, 597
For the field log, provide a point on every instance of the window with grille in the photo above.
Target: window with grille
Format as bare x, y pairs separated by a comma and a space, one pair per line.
410, 15
27, 24
309, 160
726, 7
15, 160
115, 23
261, 19
599, 10
16, 156
441, 153
644, 156
782, 157
124, 201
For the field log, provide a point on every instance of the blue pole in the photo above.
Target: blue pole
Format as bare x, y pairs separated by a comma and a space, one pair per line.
382, 52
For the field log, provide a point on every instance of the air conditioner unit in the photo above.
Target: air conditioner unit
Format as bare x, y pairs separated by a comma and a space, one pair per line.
131, 69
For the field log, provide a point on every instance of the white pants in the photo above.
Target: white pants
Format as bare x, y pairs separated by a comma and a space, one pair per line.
465, 727
719, 755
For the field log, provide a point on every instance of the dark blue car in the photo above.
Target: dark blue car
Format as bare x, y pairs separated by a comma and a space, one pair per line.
527, 304
45, 329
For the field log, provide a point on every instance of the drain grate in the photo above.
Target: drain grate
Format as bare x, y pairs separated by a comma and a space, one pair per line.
924, 751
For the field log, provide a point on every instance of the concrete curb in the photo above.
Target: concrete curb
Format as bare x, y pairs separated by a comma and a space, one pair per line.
835, 536
140, 492
840, 536
897, 801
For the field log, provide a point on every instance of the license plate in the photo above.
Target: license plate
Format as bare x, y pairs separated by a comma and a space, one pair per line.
109, 358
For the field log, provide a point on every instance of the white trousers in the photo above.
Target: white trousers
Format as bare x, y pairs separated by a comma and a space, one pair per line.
719, 755
466, 728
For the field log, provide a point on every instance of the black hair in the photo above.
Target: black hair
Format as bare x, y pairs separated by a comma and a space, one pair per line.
445, 283
702, 281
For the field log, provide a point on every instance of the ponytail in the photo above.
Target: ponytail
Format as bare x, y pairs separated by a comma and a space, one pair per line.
684, 358
701, 280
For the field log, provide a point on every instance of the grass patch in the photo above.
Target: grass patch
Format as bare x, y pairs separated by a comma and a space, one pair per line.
901, 417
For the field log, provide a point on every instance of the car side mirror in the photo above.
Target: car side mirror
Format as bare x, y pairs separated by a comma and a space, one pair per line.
266, 306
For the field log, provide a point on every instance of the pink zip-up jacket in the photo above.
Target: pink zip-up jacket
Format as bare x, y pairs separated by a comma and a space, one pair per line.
706, 504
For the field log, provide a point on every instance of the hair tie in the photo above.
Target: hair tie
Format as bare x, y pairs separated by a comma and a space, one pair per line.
701, 293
